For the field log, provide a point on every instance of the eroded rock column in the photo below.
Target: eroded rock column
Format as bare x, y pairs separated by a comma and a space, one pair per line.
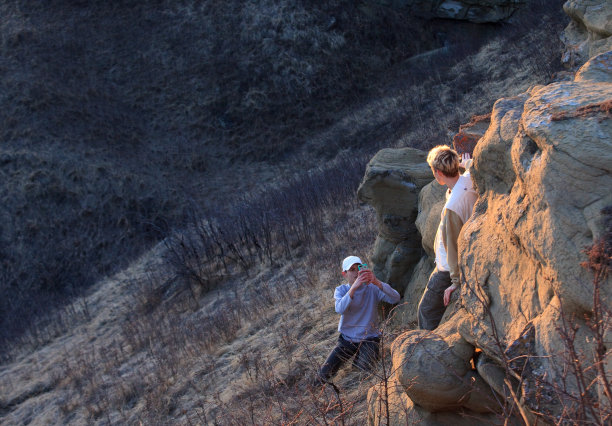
392, 182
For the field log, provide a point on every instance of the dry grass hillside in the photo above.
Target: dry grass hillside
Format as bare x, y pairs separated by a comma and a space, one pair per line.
117, 116
233, 137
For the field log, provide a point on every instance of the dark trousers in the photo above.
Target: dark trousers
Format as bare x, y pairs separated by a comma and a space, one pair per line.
365, 353
431, 306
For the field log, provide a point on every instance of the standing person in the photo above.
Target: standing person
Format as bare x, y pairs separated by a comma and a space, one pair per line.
357, 303
460, 200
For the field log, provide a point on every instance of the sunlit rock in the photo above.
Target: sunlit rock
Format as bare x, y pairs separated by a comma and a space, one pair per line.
388, 403
544, 197
435, 371
590, 31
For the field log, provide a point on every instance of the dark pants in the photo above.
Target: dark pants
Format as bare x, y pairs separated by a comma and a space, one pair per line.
365, 352
431, 306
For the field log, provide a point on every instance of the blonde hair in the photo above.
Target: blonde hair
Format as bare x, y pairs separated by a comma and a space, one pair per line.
444, 159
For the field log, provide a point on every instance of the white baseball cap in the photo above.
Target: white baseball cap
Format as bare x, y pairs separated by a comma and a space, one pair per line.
350, 261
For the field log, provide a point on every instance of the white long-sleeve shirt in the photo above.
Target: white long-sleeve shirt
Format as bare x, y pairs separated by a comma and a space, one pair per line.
359, 315
457, 210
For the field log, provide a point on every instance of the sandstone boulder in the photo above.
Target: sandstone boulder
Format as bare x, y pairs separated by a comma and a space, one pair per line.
392, 182
431, 202
590, 31
389, 404
478, 11
405, 314
435, 370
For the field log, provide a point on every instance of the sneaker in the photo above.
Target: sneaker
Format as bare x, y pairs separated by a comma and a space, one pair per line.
318, 381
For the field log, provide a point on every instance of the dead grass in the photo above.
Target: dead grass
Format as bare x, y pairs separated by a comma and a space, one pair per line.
243, 353
244, 348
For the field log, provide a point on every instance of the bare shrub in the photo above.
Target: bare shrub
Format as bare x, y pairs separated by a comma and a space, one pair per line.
592, 404
271, 226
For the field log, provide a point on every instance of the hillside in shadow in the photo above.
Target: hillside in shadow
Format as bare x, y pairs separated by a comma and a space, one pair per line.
119, 118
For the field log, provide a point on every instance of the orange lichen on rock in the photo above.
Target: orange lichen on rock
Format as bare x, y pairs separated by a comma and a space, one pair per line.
470, 133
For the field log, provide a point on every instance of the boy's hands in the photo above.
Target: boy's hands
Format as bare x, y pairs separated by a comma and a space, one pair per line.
365, 277
371, 278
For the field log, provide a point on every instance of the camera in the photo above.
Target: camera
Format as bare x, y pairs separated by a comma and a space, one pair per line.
362, 267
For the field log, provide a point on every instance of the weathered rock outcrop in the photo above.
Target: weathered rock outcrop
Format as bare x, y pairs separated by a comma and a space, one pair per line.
392, 182
523, 248
543, 172
470, 10
437, 356
590, 31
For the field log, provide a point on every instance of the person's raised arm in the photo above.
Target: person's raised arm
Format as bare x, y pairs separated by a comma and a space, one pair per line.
344, 295
466, 161
343, 299
361, 280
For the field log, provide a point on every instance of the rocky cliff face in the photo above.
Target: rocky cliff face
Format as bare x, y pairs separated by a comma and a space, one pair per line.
590, 31
543, 173
525, 319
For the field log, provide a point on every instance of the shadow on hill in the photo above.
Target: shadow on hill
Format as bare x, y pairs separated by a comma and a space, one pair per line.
117, 116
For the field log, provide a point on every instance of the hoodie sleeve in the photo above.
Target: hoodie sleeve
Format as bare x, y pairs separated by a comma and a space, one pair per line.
388, 294
343, 300
452, 228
